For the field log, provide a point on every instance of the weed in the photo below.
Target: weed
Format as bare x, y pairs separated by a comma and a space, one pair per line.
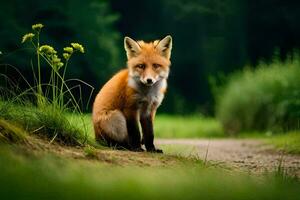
57, 80
47, 115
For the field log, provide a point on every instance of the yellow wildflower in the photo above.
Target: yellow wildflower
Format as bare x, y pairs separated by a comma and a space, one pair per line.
56, 60
59, 65
27, 36
68, 50
78, 47
37, 27
66, 56
47, 49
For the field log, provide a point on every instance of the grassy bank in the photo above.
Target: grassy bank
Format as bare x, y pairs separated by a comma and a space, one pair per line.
43, 168
77, 128
25, 176
46, 121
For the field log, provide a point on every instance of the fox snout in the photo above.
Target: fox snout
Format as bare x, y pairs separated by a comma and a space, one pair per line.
148, 80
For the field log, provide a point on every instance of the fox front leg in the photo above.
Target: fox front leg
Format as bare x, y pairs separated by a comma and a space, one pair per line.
146, 121
134, 136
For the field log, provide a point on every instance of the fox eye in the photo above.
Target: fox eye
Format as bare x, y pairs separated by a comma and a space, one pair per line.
156, 66
141, 66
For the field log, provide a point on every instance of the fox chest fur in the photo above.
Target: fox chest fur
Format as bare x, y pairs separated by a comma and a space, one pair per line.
147, 98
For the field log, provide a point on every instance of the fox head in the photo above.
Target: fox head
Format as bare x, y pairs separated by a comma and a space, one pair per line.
148, 62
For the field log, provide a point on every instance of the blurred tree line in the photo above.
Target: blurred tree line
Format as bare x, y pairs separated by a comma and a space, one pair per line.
211, 37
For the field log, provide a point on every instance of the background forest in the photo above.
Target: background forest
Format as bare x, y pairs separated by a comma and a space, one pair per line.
211, 39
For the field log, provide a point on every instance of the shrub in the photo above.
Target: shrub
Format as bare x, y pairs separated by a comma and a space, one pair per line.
264, 99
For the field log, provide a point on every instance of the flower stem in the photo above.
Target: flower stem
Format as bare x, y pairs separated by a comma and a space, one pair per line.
63, 82
39, 88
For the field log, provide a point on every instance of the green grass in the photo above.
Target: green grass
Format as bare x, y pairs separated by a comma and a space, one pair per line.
51, 177
289, 142
167, 126
47, 121
25, 175
10, 133
77, 129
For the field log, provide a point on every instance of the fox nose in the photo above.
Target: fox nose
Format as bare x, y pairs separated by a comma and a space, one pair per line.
149, 81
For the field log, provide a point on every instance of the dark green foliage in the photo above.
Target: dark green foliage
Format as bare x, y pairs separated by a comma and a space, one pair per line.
202, 43
267, 98
210, 36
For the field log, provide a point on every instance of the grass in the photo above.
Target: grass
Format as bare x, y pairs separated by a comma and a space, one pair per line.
181, 150
26, 176
76, 129
75, 173
167, 126
47, 121
289, 142
10, 133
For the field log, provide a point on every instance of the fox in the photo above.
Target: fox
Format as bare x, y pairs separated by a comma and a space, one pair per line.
129, 100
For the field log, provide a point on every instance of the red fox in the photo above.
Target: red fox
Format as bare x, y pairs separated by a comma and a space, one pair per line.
132, 96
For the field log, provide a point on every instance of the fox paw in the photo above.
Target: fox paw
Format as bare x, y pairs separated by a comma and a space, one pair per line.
139, 149
155, 151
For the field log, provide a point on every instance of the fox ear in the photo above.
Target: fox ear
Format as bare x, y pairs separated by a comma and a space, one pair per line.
132, 47
164, 46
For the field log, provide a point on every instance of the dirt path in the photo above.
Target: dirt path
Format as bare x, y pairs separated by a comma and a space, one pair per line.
246, 154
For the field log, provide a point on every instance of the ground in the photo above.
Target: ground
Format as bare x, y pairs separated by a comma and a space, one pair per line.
107, 156
246, 155
39, 168
252, 155
45, 166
